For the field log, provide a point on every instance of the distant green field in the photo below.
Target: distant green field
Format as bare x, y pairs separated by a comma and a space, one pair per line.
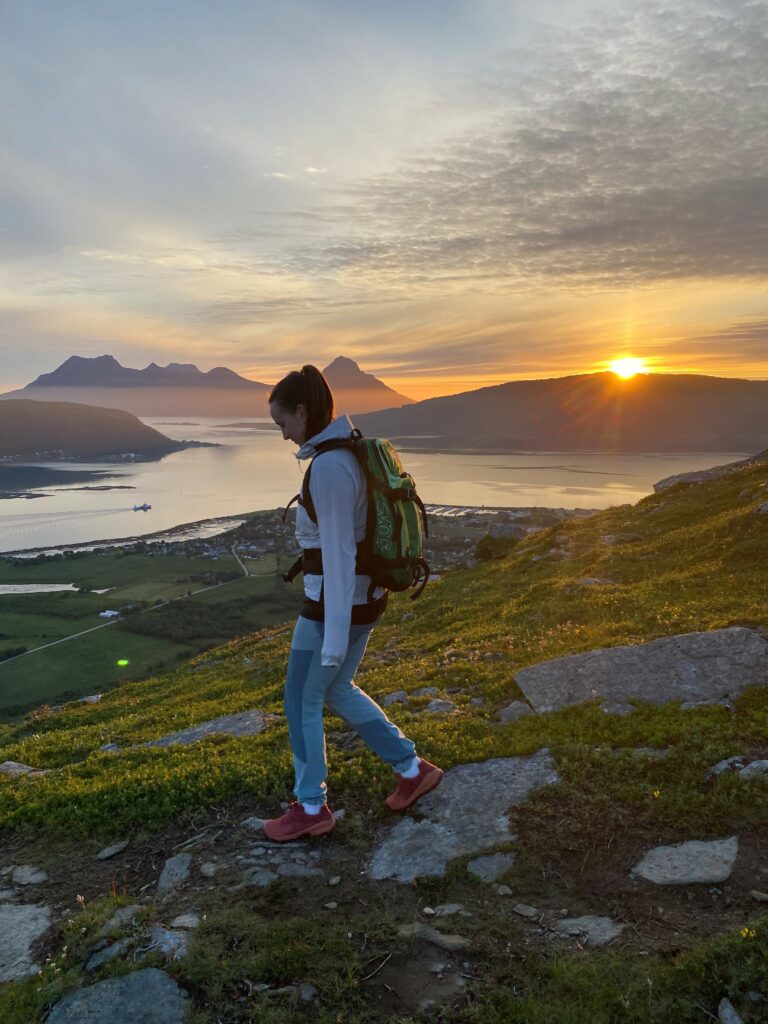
149, 641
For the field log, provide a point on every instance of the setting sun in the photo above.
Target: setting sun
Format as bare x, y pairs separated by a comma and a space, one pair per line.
628, 367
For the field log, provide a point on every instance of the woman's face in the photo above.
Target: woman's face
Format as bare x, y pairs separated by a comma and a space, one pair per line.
292, 424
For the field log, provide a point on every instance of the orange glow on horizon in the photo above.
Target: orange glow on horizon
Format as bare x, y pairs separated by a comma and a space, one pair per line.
627, 367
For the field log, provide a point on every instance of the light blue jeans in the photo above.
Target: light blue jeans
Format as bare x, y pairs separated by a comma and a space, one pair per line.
310, 686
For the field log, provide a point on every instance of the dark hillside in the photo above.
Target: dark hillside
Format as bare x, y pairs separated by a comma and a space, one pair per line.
37, 430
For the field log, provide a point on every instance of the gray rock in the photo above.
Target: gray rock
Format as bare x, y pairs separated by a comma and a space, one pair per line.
208, 869
691, 667
122, 917
335, 880
105, 955
398, 697
261, 878
28, 874
418, 930
441, 707
148, 996
15, 769
617, 707
307, 992
175, 873
728, 764
20, 928
426, 691
526, 911
754, 770
688, 863
491, 867
591, 931
298, 871
112, 851
511, 713
174, 945
477, 702
466, 814
762, 509
726, 1013
695, 705
702, 475
109, 748
448, 909
7, 894
255, 824
245, 723
407, 617
186, 921
759, 897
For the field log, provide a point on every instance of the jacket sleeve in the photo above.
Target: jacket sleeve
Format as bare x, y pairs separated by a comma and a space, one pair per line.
334, 489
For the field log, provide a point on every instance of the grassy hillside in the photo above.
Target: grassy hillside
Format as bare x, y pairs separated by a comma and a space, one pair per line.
690, 558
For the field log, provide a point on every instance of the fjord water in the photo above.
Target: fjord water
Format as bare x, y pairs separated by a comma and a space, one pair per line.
255, 469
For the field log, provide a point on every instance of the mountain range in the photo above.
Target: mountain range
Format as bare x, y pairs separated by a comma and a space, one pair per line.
590, 412
183, 389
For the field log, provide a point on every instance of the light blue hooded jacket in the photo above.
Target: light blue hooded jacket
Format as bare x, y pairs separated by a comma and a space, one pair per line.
338, 490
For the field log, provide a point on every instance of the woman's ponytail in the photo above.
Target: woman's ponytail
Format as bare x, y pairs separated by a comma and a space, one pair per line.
307, 387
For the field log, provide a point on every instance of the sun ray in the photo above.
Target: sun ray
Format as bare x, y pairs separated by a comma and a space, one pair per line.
627, 367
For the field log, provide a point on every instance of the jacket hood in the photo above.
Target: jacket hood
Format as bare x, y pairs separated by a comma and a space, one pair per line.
340, 427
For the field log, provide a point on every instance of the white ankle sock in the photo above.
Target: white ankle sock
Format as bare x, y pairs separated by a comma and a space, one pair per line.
413, 771
312, 808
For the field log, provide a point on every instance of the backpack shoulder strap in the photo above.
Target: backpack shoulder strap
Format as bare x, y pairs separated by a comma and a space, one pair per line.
305, 498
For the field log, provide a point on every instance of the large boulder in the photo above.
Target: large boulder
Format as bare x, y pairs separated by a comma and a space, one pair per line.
245, 723
20, 928
695, 862
466, 814
692, 667
702, 475
149, 996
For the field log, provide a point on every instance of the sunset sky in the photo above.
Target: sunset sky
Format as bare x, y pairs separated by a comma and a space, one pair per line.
452, 192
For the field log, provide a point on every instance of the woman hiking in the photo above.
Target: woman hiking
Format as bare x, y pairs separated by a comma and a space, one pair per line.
340, 610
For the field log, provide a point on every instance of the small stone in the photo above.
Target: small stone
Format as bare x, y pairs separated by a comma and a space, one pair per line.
298, 871
617, 707
335, 880
106, 954
14, 769
447, 909
755, 997
759, 897
477, 702
729, 764
491, 867
408, 617
441, 707
418, 930
398, 697
428, 911
112, 851
726, 1013
256, 824
208, 869
694, 705
511, 713
437, 968
186, 921
754, 770
593, 931
175, 873
426, 691
119, 920
692, 862
524, 910
331, 905
261, 878
503, 890
307, 992
109, 748
340, 814
174, 945
28, 874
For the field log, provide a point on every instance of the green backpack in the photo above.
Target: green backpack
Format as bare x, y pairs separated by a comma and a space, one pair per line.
396, 520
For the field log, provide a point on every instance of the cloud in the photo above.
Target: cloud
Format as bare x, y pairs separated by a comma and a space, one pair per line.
628, 152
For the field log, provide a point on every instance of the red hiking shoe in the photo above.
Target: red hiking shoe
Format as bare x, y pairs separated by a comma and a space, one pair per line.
296, 823
408, 791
